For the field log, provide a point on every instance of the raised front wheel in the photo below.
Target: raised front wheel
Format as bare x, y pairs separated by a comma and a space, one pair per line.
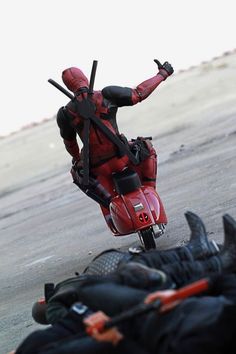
147, 238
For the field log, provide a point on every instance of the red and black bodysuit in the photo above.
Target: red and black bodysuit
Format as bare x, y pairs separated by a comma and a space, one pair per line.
104, 157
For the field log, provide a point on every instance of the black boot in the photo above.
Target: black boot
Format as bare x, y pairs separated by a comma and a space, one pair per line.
199, 245
227, 256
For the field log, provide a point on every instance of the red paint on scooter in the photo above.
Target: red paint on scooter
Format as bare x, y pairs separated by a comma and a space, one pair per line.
135, 211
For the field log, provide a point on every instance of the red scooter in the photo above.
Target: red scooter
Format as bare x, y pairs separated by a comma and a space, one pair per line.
135, 207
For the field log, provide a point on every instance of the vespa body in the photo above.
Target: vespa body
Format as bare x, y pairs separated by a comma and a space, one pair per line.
135, 209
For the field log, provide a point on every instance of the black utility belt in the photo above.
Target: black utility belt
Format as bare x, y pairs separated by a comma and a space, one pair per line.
140, 148
102, 161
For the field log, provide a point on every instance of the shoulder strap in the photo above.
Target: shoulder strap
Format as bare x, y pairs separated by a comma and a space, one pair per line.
86, 109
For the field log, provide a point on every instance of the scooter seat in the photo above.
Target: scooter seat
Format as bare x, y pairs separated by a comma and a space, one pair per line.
126, 181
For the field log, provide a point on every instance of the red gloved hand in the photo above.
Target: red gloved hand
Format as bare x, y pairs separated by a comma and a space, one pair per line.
94, 324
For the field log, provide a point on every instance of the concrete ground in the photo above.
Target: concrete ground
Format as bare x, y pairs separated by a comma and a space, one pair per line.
49, 229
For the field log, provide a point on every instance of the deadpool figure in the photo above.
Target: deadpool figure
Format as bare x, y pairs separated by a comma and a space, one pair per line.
104, 156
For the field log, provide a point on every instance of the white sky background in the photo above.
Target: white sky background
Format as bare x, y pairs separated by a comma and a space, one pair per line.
39, 39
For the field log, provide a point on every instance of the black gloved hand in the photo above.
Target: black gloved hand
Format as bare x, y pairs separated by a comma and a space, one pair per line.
165, 69
77, 171
139, 276
168, 67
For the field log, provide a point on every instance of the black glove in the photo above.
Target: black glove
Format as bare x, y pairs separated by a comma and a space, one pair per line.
168, 67
77, 172
165, 69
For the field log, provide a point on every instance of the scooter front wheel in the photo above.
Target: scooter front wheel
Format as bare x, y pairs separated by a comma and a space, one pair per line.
147, 237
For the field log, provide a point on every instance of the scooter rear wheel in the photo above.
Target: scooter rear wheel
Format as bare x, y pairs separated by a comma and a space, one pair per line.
147, 238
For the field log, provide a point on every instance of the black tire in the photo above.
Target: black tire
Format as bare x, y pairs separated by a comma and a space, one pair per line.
147, 238
39, 313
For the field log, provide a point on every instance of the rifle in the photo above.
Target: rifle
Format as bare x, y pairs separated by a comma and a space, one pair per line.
178, 296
